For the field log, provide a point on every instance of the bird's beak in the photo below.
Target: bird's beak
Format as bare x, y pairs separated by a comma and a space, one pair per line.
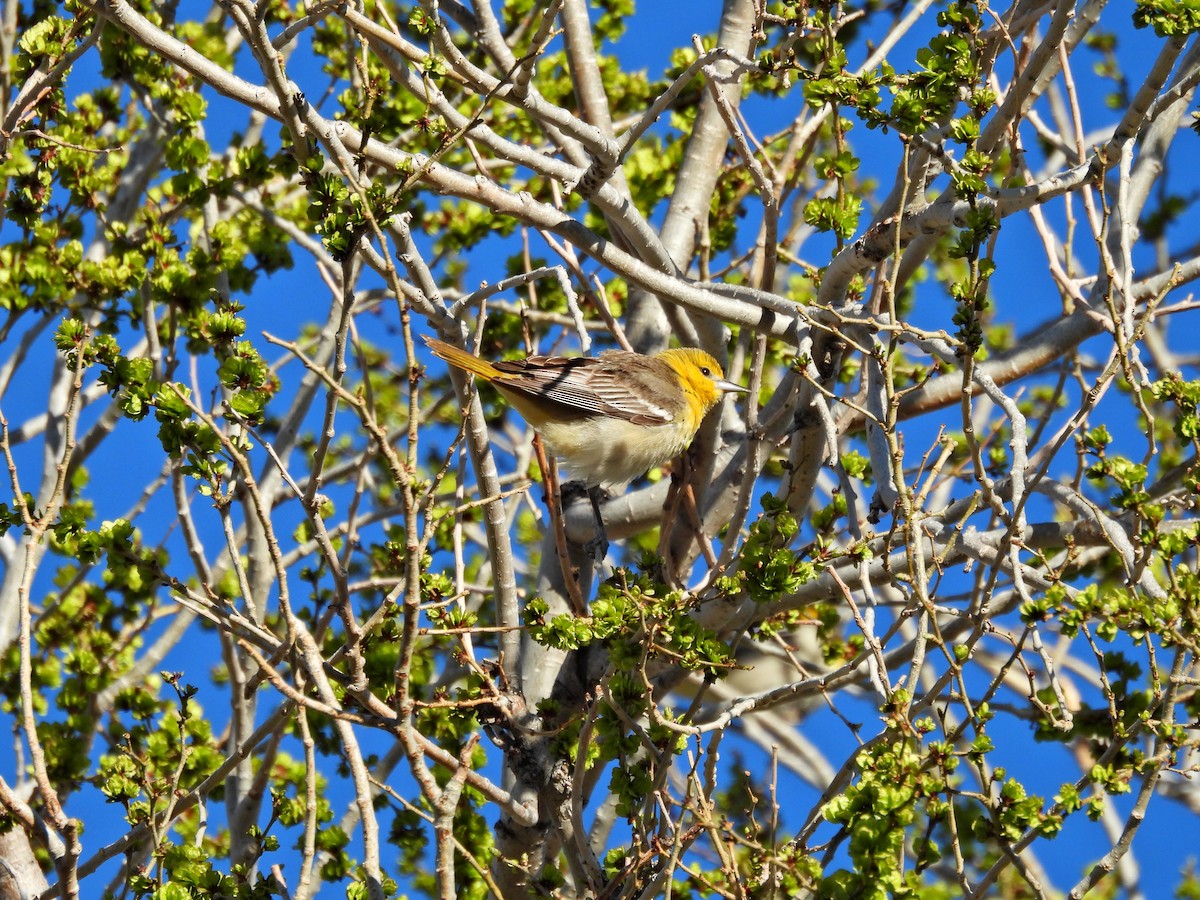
729, 387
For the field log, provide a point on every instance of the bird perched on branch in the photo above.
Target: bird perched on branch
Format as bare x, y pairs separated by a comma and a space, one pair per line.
610, 417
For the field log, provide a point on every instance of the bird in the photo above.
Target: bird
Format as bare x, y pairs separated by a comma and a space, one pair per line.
611, 417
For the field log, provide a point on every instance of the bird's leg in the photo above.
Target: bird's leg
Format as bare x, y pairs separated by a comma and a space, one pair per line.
680, 473
557, 506
597, 547
697, 525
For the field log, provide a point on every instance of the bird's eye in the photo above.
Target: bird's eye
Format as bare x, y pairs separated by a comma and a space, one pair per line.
704, 370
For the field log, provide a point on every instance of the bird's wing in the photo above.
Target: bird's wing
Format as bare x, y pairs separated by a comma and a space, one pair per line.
614, 384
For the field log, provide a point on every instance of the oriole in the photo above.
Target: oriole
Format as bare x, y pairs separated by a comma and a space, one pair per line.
610, 417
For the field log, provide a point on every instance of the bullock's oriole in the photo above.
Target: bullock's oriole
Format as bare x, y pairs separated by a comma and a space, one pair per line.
610, 417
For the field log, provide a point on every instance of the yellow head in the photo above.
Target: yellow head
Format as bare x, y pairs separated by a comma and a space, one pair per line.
700, 379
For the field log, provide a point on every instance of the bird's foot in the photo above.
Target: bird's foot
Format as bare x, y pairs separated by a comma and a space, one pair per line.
597, 548
572, 491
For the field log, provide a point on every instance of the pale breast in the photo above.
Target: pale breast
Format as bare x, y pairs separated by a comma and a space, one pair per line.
614, 451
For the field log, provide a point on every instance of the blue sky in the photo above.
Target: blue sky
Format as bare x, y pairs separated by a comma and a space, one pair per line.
1025, 291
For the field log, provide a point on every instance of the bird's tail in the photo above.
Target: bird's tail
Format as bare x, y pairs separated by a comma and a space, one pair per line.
463, 360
